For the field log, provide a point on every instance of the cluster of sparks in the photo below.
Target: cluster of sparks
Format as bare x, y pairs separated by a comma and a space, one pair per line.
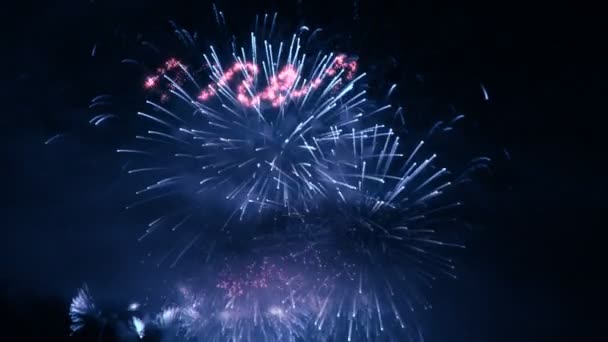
260, 302
279, 129
281, 84
256, 302
257, 139
81, 309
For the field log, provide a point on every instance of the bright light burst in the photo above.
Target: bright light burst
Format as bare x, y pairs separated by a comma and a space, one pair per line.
252, 134
383, 241
269, 127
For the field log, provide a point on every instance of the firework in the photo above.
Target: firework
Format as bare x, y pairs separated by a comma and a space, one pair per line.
243, 310
82, 310
383, 241
248, 296
251, 134
87, 318
359, 219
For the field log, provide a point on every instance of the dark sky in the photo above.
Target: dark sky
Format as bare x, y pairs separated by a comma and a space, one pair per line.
531, 269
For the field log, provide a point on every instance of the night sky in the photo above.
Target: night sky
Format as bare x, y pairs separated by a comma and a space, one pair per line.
531, 268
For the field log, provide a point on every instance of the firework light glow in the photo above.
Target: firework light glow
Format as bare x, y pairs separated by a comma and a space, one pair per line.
274, 129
